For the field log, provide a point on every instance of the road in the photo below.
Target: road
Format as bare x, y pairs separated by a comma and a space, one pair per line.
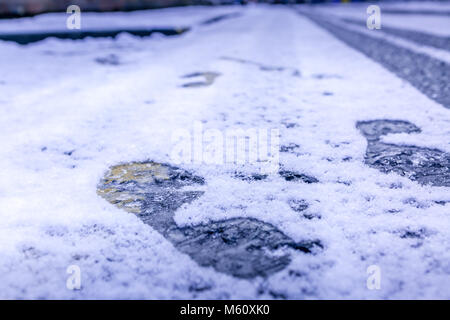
362, 177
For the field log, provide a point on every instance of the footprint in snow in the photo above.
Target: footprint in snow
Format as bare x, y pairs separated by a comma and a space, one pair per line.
424, 165
293, 71
241, 247
208, 79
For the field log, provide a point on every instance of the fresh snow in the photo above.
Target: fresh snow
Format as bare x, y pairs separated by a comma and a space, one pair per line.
66, 119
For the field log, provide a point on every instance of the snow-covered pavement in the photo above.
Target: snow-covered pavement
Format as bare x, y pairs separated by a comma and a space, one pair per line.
72, 109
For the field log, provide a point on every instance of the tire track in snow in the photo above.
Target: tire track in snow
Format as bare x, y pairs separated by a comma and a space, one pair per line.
424, 12
421, 38
429, 75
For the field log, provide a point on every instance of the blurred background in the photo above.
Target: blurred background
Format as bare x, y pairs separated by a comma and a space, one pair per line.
19, 8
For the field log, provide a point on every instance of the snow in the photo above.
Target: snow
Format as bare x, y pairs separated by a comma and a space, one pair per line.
56, 99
